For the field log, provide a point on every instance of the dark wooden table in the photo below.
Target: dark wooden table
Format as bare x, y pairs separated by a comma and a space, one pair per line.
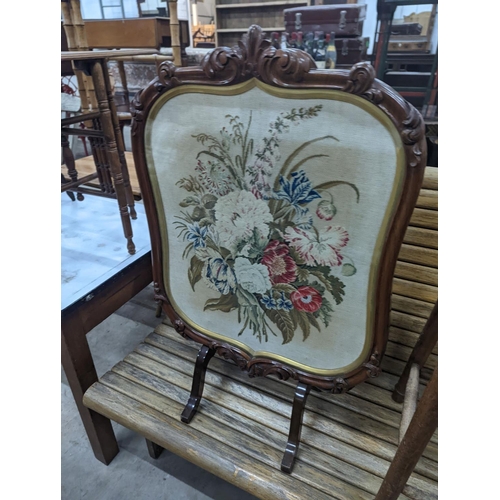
76, 321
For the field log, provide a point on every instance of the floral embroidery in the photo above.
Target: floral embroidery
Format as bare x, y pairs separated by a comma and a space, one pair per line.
251, 233
322, 248
306, 298
282, 268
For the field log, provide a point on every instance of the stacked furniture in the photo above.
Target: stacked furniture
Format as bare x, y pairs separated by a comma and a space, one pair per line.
103, 130
232, 17
417, 80
345, 20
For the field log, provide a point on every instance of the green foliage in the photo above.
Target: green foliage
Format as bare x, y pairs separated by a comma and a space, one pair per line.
337, 289
224, 303
325, 311
302, 320
348, 270
194, 271
327, 185
283, 320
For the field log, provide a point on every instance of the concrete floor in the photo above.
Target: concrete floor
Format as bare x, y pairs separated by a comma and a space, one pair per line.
132, 474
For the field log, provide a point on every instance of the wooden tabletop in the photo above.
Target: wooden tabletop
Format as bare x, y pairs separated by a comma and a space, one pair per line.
104, 54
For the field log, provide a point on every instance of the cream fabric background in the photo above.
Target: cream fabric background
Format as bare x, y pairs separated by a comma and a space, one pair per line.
365, 155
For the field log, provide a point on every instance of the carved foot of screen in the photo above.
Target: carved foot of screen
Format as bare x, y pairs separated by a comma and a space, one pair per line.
204, 356
299, 404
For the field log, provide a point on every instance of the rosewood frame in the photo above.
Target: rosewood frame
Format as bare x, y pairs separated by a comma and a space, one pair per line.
254, 57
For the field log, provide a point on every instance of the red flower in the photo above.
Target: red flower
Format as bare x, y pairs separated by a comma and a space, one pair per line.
282, 268
306, 298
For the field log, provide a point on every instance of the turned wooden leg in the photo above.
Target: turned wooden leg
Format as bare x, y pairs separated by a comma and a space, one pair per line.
69, 161
204, 356
299, 404
112, 151
420, 353
154, 449
121, 147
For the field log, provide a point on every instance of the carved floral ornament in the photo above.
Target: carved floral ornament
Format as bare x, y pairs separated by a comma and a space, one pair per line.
282, 263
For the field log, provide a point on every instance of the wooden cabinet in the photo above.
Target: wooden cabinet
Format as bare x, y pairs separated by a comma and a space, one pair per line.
233, 17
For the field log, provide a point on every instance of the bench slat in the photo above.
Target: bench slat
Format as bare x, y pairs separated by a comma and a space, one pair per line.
420, 291
418, 255
420, 236
430, 178
422, 217
405, 337
417, 273
428, 198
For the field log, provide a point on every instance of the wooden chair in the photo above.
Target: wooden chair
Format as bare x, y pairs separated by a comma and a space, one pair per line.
261, 176
418, 422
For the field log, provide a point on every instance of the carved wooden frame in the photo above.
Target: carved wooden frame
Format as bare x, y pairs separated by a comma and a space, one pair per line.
254, 57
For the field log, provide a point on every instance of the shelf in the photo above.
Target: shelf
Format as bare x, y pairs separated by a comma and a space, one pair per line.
244, 30
79, 55
260, 4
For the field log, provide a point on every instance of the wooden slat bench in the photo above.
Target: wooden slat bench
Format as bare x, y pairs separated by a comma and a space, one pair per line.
241, 428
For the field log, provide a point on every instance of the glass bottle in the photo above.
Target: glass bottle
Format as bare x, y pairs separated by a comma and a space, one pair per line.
300, 40
308, 43
275, 40
284, 41
331, 53
320, 53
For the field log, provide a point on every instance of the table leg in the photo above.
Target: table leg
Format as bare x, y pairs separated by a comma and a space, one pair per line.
112, 151
81, 373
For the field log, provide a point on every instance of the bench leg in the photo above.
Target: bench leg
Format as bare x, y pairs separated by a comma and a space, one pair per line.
299, 404
154, 449
204, 356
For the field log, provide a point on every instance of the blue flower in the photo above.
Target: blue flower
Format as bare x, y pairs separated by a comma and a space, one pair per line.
299, 191
220, 276
269, 302
284, 303
196, 235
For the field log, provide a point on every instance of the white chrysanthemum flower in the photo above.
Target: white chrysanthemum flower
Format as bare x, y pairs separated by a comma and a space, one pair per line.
252, 277
321, 248
240, 218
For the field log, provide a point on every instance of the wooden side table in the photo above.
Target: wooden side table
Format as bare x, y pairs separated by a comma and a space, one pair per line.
105, 125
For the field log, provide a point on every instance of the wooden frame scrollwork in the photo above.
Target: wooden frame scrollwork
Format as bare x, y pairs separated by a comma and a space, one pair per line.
254, 57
